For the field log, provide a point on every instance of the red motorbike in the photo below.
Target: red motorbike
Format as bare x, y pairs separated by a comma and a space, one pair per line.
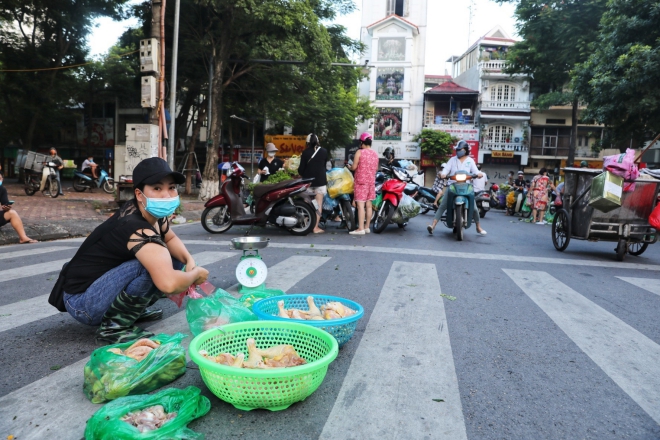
392, 194
284, 204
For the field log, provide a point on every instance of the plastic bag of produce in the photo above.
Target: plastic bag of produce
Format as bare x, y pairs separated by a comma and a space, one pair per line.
293, 163
409, 207
141, 413
216, 310
134, 367
249, 299
329, 203
377, 201
340, 181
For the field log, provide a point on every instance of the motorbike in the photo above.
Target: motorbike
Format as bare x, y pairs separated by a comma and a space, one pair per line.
283, 204
519, 203
392, 190
483, 202
458, 215
33, 181
494, 200
342, 206
411, 189
81, 182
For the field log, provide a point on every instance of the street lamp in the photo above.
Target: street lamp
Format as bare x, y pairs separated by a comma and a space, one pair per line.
252, 156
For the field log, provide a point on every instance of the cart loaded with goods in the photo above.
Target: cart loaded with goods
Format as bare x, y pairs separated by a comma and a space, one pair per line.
618, 204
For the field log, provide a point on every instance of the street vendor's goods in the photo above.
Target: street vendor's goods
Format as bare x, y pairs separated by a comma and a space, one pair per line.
277, 356
163, 415
606, 192
340, 181
134, 368
216, 310
148, 419
407, 209
329, 310
293, 163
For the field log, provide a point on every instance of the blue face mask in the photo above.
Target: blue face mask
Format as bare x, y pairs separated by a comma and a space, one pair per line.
461, 153
0, 182
161, 208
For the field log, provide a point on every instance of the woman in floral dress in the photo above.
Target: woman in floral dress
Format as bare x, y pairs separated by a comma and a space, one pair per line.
537, 197
365, 165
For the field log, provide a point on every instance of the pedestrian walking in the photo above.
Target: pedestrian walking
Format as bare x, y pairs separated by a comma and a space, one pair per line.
365, 165
537, 197
313, 166
129, 261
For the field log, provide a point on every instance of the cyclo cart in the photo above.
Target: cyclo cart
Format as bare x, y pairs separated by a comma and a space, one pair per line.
626, 225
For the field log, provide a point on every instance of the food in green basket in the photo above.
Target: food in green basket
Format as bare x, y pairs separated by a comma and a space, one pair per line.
148, 419
329, 310
278, 356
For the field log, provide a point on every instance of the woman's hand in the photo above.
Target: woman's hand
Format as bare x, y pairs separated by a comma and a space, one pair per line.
202, 275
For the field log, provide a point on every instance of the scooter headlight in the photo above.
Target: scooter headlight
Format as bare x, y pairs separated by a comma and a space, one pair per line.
460, 177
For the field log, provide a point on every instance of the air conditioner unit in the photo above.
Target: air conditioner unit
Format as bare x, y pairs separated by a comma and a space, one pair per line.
466, 112
149, 55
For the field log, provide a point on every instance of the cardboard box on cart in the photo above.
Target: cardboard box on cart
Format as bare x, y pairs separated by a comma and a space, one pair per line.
606, 192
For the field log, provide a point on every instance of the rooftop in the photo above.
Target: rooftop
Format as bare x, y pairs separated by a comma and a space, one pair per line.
450, 87
395, 17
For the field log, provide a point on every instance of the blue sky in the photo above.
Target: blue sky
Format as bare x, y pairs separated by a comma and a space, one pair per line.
447, 28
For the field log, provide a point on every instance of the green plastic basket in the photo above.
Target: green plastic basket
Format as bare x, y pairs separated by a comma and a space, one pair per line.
273, 389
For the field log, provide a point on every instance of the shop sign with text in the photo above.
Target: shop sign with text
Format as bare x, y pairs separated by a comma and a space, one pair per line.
287, 145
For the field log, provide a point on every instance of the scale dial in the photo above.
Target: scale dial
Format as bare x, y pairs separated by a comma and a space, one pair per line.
251, 272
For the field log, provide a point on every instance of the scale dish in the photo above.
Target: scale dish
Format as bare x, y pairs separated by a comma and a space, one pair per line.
249, 243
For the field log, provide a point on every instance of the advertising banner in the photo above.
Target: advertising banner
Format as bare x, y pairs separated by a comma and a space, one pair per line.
287, 145
508, 154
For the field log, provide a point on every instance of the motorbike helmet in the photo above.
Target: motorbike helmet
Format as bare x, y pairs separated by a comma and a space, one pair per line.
462, 145
584, 164
388, 153
495, 187
364, 136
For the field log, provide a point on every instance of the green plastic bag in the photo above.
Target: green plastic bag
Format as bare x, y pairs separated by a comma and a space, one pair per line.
215, 310
109, 375
377, 201
250, 298
525, 208
189, 404
549, 217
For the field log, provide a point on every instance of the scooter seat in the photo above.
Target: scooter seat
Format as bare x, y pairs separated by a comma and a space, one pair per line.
261, 190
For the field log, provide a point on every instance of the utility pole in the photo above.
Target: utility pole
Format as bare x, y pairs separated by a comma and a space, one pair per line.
175, 53
155, 33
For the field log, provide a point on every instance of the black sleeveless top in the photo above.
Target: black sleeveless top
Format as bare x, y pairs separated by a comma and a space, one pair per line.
111, 249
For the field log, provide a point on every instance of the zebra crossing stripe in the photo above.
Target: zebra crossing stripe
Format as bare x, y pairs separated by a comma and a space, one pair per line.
55, 407
384, 394
33, 251
650, 284
629, 358
31, 270
33, 309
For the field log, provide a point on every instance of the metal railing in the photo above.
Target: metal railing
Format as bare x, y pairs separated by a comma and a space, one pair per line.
492, 65
450, 120
505, 146
505, 105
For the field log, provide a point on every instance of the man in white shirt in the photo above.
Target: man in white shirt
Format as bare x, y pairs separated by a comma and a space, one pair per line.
89, 164
479, 183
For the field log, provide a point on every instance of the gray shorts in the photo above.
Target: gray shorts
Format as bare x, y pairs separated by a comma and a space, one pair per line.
313, 190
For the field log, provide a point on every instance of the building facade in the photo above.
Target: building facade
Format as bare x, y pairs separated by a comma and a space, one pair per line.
503, 110
394, 32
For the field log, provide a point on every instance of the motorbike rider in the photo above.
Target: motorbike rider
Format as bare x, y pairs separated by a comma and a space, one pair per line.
461, 162
388, 153
90, 168
480, 183
520, 184
59, 164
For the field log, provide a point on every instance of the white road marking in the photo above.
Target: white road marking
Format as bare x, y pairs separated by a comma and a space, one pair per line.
32, 270
650, 284
50, 402
33, 309
629, 358
32, 251
447, 254
394, 399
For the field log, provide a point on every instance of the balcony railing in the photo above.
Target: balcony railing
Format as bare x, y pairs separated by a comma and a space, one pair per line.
492, 65
505, 105
561, 152
449, 120
505, 146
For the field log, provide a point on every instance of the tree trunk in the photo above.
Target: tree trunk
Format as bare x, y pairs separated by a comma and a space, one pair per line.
574, 127
210, 179
193, 142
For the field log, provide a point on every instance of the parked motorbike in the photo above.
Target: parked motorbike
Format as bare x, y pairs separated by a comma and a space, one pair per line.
81, 182
494, 199
483, 202
283, 204
411, 189
463, 192
517, 208
33, 181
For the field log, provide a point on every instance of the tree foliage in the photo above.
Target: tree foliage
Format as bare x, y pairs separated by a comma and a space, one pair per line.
435, 144
42, 34
620, 79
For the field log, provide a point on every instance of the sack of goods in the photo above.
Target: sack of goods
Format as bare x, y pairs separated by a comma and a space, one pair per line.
623, 165
606, 192
293, 163
340, 181
407, 209
135, 367
215, 310
164, 415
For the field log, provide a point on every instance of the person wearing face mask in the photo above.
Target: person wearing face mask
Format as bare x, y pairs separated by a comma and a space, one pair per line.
269, 164
129, 261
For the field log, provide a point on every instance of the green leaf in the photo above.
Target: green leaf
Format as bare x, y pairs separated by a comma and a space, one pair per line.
449, 297
438, 400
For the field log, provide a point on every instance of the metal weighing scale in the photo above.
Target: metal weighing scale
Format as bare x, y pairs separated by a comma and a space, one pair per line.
251, 271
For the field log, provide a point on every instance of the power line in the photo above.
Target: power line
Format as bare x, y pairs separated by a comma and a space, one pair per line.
63, 67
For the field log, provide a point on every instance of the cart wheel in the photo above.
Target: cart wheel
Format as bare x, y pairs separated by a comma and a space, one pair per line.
561, 230
637, 248
621, 249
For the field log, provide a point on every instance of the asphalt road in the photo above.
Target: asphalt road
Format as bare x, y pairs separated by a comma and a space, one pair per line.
524, 343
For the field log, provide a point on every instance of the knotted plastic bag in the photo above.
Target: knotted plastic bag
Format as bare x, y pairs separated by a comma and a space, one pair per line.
188, 404
654, 218
216, 310
623, 165
340, 181
293, 163
109, 375
407, 209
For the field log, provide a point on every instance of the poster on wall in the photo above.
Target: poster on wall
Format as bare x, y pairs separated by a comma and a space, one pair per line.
392, 49
387, 124
389, 83
101, 132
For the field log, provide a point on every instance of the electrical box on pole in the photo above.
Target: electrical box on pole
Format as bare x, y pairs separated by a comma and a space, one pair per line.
149, 55
148, 92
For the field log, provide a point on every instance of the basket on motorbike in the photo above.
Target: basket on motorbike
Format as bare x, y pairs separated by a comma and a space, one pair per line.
342, 329
273, 388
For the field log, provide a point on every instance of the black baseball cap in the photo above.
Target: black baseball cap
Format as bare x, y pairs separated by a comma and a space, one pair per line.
153, 170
